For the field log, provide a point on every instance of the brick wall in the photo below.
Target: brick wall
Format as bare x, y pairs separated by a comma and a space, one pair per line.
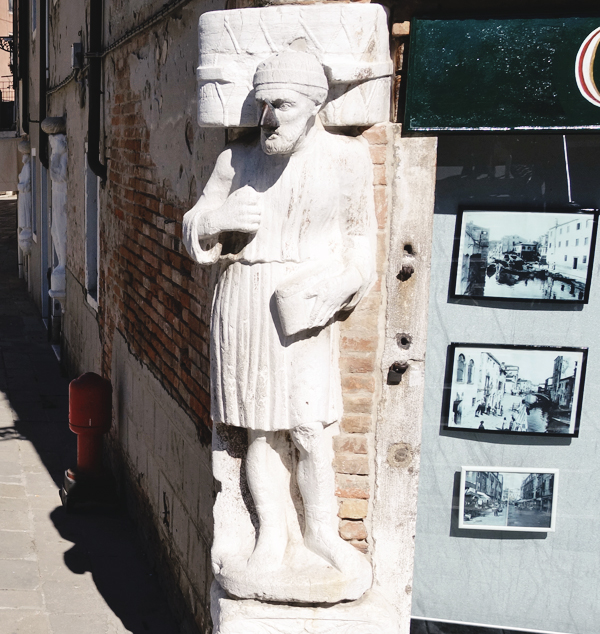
150, 294
359, 350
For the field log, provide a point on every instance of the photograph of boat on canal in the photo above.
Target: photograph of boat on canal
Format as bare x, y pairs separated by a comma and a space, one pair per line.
508, 498
534, 256
420, 625
514, 389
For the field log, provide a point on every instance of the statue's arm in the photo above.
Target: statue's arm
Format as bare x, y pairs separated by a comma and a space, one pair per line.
25, 179
219, 210
200, 239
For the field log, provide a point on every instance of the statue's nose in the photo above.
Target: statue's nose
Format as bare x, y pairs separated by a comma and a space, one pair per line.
268, 119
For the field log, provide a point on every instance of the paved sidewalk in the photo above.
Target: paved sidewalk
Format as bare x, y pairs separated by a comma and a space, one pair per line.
59, 573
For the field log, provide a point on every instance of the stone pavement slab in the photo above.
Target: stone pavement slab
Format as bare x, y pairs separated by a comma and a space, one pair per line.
80, 573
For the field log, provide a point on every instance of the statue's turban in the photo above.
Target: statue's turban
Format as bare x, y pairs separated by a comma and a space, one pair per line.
294, 70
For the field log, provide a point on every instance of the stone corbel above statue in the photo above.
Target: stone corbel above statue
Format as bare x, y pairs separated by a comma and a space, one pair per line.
350, 40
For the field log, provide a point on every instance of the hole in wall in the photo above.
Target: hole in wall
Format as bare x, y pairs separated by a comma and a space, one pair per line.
404, 340
408, 267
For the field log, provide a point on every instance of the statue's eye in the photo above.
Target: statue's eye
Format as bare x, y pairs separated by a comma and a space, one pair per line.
286, 105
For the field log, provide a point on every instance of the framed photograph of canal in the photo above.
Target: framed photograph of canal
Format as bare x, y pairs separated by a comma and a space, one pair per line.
528, 390
508, 499
532, 256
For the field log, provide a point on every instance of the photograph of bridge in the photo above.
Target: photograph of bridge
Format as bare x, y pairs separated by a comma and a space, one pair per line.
515, 389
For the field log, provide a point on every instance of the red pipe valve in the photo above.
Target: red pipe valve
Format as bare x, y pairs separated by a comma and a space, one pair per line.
90, 417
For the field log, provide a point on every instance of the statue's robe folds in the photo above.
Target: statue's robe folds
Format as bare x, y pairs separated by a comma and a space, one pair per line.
317, 214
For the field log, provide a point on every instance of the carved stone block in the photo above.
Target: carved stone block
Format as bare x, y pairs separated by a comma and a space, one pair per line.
350, 40
371, 614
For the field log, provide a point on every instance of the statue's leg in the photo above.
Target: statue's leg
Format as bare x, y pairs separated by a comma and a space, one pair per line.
263, 469
316, 481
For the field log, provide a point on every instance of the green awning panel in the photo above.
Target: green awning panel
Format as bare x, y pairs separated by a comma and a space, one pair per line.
504, 75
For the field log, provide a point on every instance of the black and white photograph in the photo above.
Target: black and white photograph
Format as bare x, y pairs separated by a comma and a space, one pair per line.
521, 255
515, 499
430, 626
514, 389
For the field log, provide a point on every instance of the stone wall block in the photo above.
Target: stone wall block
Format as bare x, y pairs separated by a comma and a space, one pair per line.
352, 486
376, 134
361, 363
356, 423
353, 529
358, 383
353, 509
378, 154
352, 340
351, 443
379, 175
358, 403
351, 463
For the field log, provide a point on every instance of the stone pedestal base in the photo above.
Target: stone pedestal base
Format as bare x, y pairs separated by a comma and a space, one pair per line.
371, 614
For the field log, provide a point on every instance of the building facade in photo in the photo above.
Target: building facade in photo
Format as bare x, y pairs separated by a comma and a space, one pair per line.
474, 258
481, 382
568, 247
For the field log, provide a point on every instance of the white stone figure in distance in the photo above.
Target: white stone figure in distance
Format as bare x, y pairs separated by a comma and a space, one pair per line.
290, 216
55, 127
25, 236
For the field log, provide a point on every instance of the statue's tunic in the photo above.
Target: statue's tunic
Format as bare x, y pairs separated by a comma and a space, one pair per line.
316, 206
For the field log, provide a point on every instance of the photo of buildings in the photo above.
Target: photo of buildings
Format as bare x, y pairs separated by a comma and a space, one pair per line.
524, 255
507, 499
515, 390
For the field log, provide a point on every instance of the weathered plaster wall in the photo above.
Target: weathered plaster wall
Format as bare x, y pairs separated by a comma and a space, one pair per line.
157, 451
411, 166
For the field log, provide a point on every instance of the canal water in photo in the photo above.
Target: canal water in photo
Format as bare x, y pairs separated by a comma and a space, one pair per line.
541, 422
531, 289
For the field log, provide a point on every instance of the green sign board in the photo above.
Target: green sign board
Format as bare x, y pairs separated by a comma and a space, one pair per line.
504, 75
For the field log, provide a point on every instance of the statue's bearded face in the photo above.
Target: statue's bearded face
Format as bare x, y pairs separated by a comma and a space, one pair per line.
286, 118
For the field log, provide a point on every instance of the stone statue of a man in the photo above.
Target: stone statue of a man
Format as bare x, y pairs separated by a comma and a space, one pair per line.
290, 217
24, 200
58, 174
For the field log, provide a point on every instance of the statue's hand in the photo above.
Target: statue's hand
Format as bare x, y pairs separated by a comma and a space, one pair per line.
239, 213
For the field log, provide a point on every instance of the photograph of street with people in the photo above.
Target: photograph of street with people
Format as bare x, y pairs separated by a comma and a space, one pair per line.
514, 389
524, 255
508, 499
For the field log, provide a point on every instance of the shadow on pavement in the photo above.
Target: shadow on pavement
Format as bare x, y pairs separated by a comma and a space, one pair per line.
34, 407
107, 546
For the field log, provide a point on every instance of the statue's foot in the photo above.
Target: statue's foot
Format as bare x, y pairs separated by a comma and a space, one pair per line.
269, 550
327, 543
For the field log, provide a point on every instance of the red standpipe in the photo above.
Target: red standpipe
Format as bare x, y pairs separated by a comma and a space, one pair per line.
90, 417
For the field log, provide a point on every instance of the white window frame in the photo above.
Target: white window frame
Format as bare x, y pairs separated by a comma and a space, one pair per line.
34, 18
34, 194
